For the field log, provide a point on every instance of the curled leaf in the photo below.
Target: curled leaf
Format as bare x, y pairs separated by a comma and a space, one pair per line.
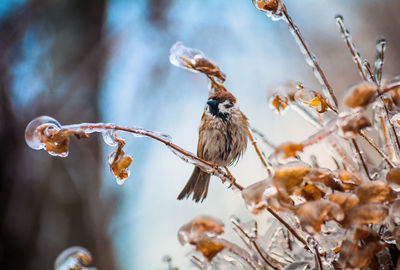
375, 192
312, 214
312, 98
119, 162
360, 95
279, 103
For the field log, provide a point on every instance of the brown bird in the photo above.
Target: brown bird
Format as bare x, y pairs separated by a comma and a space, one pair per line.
222, 140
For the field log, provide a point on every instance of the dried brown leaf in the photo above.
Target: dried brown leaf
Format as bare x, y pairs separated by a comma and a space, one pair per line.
393, 176
323, 176
360, 95
310, 192
345, 200
209, 247
354, 256
290, 176
312, 214
375, 192
371, 213
199, 227
279, 103
351, 126
288, 150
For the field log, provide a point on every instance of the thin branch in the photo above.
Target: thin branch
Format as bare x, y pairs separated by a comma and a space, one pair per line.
376, 147
310, 58
254, 143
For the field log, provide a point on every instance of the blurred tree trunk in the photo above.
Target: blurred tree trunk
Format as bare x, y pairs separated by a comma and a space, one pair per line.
48, 204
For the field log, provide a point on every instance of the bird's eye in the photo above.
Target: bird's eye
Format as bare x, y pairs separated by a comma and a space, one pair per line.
229, 105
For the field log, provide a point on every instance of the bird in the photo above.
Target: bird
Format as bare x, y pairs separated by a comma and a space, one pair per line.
223, 135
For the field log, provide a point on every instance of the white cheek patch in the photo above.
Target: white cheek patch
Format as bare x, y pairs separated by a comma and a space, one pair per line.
222, 109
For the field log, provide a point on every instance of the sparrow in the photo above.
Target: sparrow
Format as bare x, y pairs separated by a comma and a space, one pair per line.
222, 140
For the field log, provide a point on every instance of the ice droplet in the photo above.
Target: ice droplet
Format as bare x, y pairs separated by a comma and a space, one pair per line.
31, 136
108, 137
74, 258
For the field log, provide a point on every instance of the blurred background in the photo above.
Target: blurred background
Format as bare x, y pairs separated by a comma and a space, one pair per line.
107, 61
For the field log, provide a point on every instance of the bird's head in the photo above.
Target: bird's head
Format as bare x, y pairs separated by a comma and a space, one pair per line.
221, 104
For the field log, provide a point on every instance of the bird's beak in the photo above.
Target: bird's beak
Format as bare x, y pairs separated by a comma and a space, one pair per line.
212, 103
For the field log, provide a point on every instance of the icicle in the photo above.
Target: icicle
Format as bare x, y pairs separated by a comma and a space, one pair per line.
380, 53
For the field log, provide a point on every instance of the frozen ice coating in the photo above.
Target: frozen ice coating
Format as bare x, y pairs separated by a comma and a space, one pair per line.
108, 137
271, 8
31, 131
74, 258
183, 57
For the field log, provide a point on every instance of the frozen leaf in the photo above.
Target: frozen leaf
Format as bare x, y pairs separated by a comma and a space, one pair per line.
288, 150
194, 60
312, 214
279, 103
349, 180
345, 200
290, 176
371, 213
323, 176
209, 247
351, 126
313, 99
119, 162
46, 133
394, 212
393, 176
254, 197
200, 226
354, 256
360, 95
310, 192
74, 258
280, 201
375, 192
31, 131
271, 8
365, 234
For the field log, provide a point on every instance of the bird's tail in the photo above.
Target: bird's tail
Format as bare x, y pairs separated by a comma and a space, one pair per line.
197, 184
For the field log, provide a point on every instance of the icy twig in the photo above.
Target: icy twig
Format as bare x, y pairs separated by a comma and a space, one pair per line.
253, 241
350, 44
310, 58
